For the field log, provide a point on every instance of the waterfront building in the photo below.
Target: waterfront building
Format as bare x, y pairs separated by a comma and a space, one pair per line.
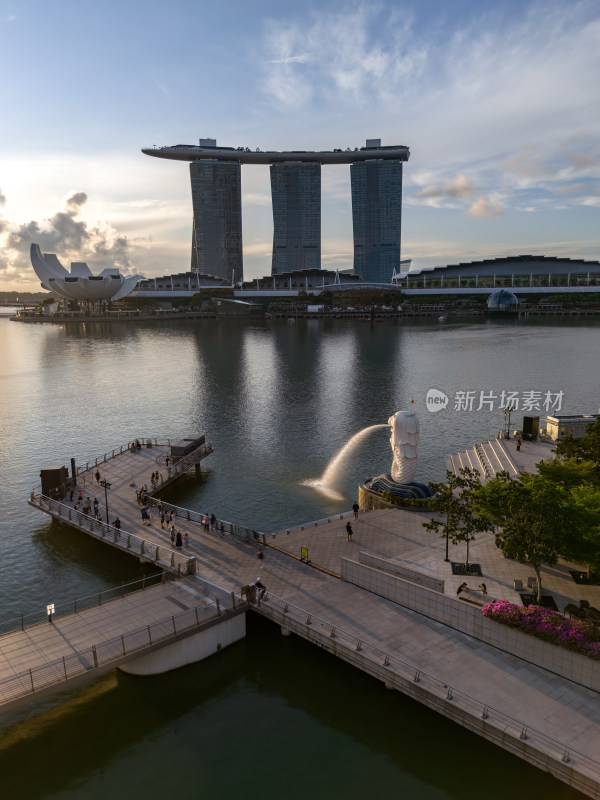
217, 225
376, 218
522, 274
79, 283
574, 425
296, 195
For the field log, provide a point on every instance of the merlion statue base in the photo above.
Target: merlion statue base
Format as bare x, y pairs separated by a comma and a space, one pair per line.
404, 441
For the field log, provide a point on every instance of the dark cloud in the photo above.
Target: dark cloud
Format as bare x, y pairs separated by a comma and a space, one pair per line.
71, 238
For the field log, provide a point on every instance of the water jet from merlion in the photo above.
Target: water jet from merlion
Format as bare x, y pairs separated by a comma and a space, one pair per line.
400, 481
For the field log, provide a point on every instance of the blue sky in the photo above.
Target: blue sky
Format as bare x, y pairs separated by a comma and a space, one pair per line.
498, 102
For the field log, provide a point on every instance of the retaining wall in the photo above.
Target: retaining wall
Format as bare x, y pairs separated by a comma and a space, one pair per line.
573, 666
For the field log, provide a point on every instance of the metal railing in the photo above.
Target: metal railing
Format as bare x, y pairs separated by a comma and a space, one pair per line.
310, 625
313, 524
78, 604
175, 468
221, 527
128, 542
103, 654
123, 448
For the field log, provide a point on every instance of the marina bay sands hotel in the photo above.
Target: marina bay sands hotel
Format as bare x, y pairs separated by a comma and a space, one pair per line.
376, 184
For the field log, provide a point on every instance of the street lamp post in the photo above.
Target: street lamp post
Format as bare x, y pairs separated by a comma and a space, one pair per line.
446, 559
106, 486
507, 412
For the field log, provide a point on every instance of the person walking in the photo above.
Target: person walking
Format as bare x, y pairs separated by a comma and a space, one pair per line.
349, 532
186, 540
97, 476
173, 536
178, 540
117, 524
355, 510
261, 557
213, 522
518, 444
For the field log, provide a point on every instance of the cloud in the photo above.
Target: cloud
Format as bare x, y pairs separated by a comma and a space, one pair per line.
572, 188
289, 60
458, 188
342, 56
65, 234
483, 207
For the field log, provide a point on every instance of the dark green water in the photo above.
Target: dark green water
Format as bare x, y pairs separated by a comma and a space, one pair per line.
270, 716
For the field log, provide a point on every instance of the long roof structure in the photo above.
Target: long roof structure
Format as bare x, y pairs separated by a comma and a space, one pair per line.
241, 155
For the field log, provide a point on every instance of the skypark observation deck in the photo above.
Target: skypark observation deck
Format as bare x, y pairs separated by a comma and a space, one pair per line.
242, 155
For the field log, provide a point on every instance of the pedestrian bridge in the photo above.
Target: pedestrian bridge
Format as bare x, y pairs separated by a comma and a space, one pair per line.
124, 627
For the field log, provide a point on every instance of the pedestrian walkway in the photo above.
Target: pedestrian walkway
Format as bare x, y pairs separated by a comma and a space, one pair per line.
562, 717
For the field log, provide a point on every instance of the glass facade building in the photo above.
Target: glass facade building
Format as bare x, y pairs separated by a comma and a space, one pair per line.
376, 218
296, 197
217, 208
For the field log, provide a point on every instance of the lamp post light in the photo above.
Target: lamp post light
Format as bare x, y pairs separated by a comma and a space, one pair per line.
507, 412
446, 559
106, 486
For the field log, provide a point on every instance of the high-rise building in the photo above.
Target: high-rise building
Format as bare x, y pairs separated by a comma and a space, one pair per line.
296, 196
217, 228
376, 218
376, 178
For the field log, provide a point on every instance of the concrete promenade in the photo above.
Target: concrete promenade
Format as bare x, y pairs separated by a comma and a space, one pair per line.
562, 718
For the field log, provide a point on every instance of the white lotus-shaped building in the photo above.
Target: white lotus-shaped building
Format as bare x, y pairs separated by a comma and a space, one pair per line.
79, 283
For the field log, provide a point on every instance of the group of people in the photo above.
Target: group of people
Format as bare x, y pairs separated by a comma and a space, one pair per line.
136, 446
464, 587
89, 508
155, 479
177, 540
209, 523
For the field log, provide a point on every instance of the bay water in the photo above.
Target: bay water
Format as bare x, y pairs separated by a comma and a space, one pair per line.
278, 400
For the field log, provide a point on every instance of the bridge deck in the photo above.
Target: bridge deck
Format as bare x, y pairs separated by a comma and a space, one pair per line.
39, 658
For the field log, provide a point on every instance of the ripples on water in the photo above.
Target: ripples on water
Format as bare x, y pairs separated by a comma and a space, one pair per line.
278, 402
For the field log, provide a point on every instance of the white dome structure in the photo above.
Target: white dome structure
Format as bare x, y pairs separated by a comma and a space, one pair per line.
79, 283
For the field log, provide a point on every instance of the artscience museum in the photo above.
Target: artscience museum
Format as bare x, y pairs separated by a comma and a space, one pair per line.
79, 284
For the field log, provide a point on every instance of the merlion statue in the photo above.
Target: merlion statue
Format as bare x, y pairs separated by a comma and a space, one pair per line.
404, 441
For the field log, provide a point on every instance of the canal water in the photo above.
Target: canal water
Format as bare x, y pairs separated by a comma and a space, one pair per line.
278, 400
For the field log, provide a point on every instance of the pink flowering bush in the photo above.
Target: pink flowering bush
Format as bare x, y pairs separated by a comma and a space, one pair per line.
573, 634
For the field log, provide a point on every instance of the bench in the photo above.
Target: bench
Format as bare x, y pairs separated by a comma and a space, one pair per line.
475, 598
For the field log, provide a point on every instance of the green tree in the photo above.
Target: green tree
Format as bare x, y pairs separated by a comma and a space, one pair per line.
460, 521
568, 472
538, 519
585, 449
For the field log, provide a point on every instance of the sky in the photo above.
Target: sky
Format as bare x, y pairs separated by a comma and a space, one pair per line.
499, 103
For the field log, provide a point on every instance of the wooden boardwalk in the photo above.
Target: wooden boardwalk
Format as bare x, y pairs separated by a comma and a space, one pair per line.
548, 720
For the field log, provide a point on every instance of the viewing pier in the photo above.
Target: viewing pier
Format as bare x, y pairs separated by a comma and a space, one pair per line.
384, 602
